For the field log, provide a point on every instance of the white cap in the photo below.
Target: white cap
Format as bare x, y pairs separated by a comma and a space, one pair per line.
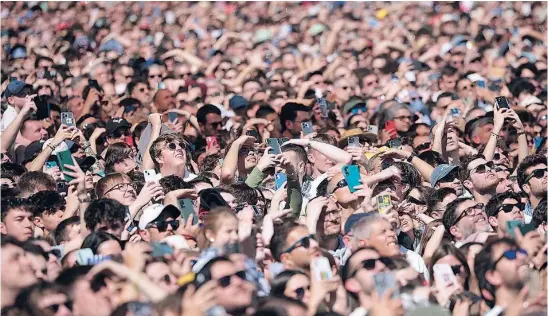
531, 99
153, 211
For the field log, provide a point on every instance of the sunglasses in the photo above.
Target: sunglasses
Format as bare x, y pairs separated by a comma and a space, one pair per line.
173, 146
155, 76
247, 152
121, 187
55, 307
143, 89
415, 201
539, 174
498, 156
215, 124
225, 281
339, 185
303, 242
370, 264
161, 226
456, 269
301, 291
120, 132
483, 168
423, 146
404, 117
510, 255
508, 208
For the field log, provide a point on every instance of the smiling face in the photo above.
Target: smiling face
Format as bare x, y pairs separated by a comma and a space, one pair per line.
383, 239
474, 221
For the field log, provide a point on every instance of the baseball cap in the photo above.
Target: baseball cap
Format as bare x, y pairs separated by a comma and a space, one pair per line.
238, 102
116, 123
353, 219
32, 150
210, 199
17, 88
368, 136
18, 52
440, 172
154, 211
352, 103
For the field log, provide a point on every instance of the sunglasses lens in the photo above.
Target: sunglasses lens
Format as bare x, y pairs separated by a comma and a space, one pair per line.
306, 242
241, 274
511, 254
300, 293
162, 226
225, 281
174, 224
369, 264
496, 156
172, 146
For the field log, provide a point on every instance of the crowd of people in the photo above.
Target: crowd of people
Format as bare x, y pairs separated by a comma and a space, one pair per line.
273, 158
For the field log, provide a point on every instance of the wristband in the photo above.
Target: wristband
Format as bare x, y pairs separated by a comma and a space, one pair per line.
496, 135
50, 145
410, 158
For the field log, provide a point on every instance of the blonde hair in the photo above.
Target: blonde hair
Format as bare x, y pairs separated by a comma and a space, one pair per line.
212, 222
109, 181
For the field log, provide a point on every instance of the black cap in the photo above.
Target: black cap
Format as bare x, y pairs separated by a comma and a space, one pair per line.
116, 123
86, 162
33, 150
210, 199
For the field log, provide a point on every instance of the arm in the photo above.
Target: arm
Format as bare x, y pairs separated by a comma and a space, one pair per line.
230, 164
255, 178
523, 146
93, 97
498, 122
63, 133
155, 120
337, 155
433, 243
333, 38
10, 133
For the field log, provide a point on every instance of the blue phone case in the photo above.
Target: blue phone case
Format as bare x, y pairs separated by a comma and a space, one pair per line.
352, 175
280, 179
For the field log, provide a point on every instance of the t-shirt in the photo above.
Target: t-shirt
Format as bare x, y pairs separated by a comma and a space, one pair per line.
9, 116
416, 262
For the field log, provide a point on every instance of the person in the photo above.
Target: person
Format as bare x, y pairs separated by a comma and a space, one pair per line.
17, 272
44, 298
447, 176
49, 209
479, 178
291, 117
501, 209
168, 152
158, 222
17, 218
294, 246
106, 215
531, 176
463, 218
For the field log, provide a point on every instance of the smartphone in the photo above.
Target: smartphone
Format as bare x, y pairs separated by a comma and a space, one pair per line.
150, 175
211, 141
385, 281
354, 141
172, 116
523, 228
280, 179
65, 158
307, 127
283, 140
160, 249
42, 107
67, 118
94, 84
254, 133
502, 103
395, 143
273, 143
322, 268
83, 256
372, 129
62, 188
352, 175
390, 127
322, 102
186, 207
98, 259
50, 165
443, 275
455, 112
481, 83
383, 203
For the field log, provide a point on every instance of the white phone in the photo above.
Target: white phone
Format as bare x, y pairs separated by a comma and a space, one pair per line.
322, 268
150, 175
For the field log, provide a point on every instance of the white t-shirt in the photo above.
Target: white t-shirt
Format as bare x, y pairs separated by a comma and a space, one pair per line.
9, 116
416, 262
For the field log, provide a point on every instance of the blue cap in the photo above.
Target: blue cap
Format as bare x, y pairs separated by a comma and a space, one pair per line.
440, 172
19, 52
17, 88
112, 45
237, 102
353, 219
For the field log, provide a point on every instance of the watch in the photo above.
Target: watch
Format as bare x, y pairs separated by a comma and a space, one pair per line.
410, 158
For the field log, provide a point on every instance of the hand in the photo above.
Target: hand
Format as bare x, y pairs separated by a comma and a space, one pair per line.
55, 172
516, 122
198, 302
268, 223
92, 98
245, 141
245, 223
391, 172
79, 180
395, 153
357, 154
462, 307
29, 106
187, 228
499, 116
155, 120
176, 126
78, 135
97, 132
136, 254
64, 132
267, 160
314, 209
532, 242
151, 190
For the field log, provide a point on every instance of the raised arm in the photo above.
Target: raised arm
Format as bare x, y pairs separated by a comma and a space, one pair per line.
155, 120
64, 132
337, 155
10, 133
230, 164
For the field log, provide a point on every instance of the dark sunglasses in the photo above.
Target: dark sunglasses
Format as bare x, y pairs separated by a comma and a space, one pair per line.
143, 89
155, 76
370, 264
55, 307
167, 279
162, 225
508, 208
415, 201
510, 255
423, 146
225, 281
301, 291
449, 177
120, 132
173, 146
539, 174
498, 156
215, 124
339, 185
484, 168
303, 242
456, 269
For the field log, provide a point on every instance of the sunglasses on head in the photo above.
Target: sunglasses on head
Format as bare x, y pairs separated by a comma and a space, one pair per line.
510, 255
225, 281
301, 291
303, 242
162, 225
173, 146
539, 174
55, 307
484, 168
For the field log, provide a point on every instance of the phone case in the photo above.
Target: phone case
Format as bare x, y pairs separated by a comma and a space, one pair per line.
211, 141
443, 275
65, 158
385, 281
352, 175
172, 116
502, 103
390, 127
50, 164
150, 175
383, 203
67, 118
307, 127
281, 178
323, 106
187, 208
322, 269
273, 143
160, 249
510, 225
354, 141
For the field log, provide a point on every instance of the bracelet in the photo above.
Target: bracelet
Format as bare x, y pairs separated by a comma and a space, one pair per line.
496, 135
50, 145
410, 158
86, 144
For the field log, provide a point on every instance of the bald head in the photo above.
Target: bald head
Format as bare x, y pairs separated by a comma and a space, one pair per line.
163, 100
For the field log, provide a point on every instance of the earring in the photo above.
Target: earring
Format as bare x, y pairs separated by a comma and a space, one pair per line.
212, 240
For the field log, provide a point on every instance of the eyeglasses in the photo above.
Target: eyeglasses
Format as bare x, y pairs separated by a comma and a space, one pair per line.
370, 264
339, 185
423, 146
303, 242
301, 291
415, 201
483, 168
471, 211
173, 146
121, 186
161, 226
55, 307
155, 76
508, 208
247, 152
225, 281
538, 173
510, 255
404, 117
215, 124
498, 156
184, 74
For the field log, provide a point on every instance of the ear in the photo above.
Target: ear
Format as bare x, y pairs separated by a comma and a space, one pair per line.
3, 229
468, 185
527, 189
475, 139
302, 167
285, 258
208, 234
493, 221
352, 286
454, 230
310, 158
159, 159
435, 214
38, 222
493, 277
144, 234
288, 125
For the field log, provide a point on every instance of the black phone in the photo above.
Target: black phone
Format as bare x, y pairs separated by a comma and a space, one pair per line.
94, 84
42, 107
254, 133
395, 143
502, 103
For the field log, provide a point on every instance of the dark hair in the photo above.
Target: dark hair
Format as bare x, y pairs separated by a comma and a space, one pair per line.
199, 179
133, 84
484, 262
278, 241
528, 162
104, 211
263, 111
204, 275
493, 206
450, 215
173, 182
68, 277
243, 193
138, 131
289, 112
446, 249
116, 153
448, 71
464, 162
12, 170
325, 138
61, 231
438, 195
46, 202
433, 158
279, 282
210, 162
27, 299
204, 111
539, 214
32, 180
10, 203
94, 240
137, 180
409, 174
522, 85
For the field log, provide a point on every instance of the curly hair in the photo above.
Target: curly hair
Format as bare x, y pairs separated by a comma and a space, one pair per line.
104, 211
46, 202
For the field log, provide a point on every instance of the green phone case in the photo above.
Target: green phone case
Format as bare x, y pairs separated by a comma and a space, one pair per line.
65, 158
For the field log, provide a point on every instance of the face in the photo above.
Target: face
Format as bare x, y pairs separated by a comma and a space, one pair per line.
160, 274
213, 125
229, 198
108, 248
509, 273
370, 82
18, 224
173, 155
331, 219
321, 162
482, 176
237, 294
364, 275
88, 302
164, 100
383, 239
403, 120
56, 303
158, 233
248, 158
141, 92
482, 134
51, 220
226, 234
457, 265
298, 287
439, 208
295, 127
123, 192
465, 88
300, 256
114, 228
155, 76
452, 181
471, 219
509, 210
34, 130
17, 271
250, 88
125, 166
538, 181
